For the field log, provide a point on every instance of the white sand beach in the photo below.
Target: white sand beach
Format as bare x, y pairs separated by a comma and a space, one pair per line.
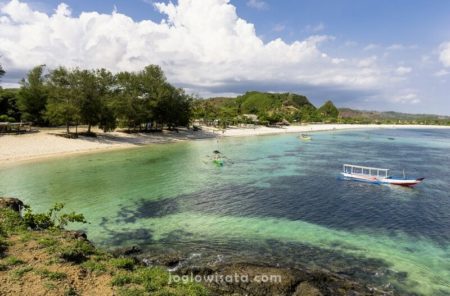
263, 130
45, 143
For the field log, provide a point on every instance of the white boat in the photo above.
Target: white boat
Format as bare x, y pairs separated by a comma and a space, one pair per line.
376, 175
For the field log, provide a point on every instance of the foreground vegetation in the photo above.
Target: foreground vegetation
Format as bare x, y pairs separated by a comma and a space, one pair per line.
38, 257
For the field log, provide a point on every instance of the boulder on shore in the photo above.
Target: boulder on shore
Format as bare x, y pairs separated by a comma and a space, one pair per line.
11, 203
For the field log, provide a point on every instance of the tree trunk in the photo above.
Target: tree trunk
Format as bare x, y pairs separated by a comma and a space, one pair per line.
89, 129
67, 127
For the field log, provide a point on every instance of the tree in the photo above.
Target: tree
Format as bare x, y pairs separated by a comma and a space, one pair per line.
106, 83
129, 105
173, 107
8, 105
88, 98
33, 96
146, 97
63, 105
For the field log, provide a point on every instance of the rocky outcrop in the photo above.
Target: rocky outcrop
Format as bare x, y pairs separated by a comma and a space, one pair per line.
126, 251
11, 203
267, 280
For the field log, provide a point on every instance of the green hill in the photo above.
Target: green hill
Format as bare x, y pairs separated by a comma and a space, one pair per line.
362, 116
259, 102
270, 108
328, 110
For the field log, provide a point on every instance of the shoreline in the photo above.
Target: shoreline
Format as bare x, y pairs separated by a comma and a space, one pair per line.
263, 130
44, 144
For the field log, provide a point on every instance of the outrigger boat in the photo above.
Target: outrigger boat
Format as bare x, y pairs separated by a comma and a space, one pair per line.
218, 160
376, 175
305, 137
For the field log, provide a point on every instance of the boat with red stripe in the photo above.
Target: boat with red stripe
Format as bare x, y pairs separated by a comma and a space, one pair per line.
377, 176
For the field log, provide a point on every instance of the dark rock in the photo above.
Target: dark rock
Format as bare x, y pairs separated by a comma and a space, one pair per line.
126, 251
11, 203
306, 289
78, 235
82, 274
171, 259
268, 280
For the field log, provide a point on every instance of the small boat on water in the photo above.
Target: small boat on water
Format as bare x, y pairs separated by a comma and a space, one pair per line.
218, 160
305, 137
376, 176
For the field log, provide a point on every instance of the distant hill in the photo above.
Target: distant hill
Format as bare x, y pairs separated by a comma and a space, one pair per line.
269, 108
391, 116
276, 108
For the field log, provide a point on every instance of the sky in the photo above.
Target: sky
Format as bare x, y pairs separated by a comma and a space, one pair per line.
366, 54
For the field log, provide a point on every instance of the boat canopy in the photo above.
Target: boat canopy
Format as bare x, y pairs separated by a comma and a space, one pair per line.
367, 171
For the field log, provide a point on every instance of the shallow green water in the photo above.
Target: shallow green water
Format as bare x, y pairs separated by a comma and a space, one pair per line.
277, 200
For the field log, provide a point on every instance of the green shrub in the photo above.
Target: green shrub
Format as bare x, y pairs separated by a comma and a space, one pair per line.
12, 261
10, 222
18, 273
3, 246
123, 263
26, 236
94, 266
52, 219
76, 252
47, 242
131, 292
153, 279
122, 279
51, 275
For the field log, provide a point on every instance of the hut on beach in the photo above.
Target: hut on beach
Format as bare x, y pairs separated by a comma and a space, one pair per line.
15, 127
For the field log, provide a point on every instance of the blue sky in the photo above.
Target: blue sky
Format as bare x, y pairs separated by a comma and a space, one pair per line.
368, 54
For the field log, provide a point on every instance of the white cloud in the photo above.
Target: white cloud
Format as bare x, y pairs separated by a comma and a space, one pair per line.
371, 46
399, 46
407, 98
201, 45
444, 54
315, 28
257, 4
351, 43
441, 73
403, 70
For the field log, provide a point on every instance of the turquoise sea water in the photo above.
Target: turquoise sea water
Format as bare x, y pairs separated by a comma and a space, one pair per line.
277, 200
